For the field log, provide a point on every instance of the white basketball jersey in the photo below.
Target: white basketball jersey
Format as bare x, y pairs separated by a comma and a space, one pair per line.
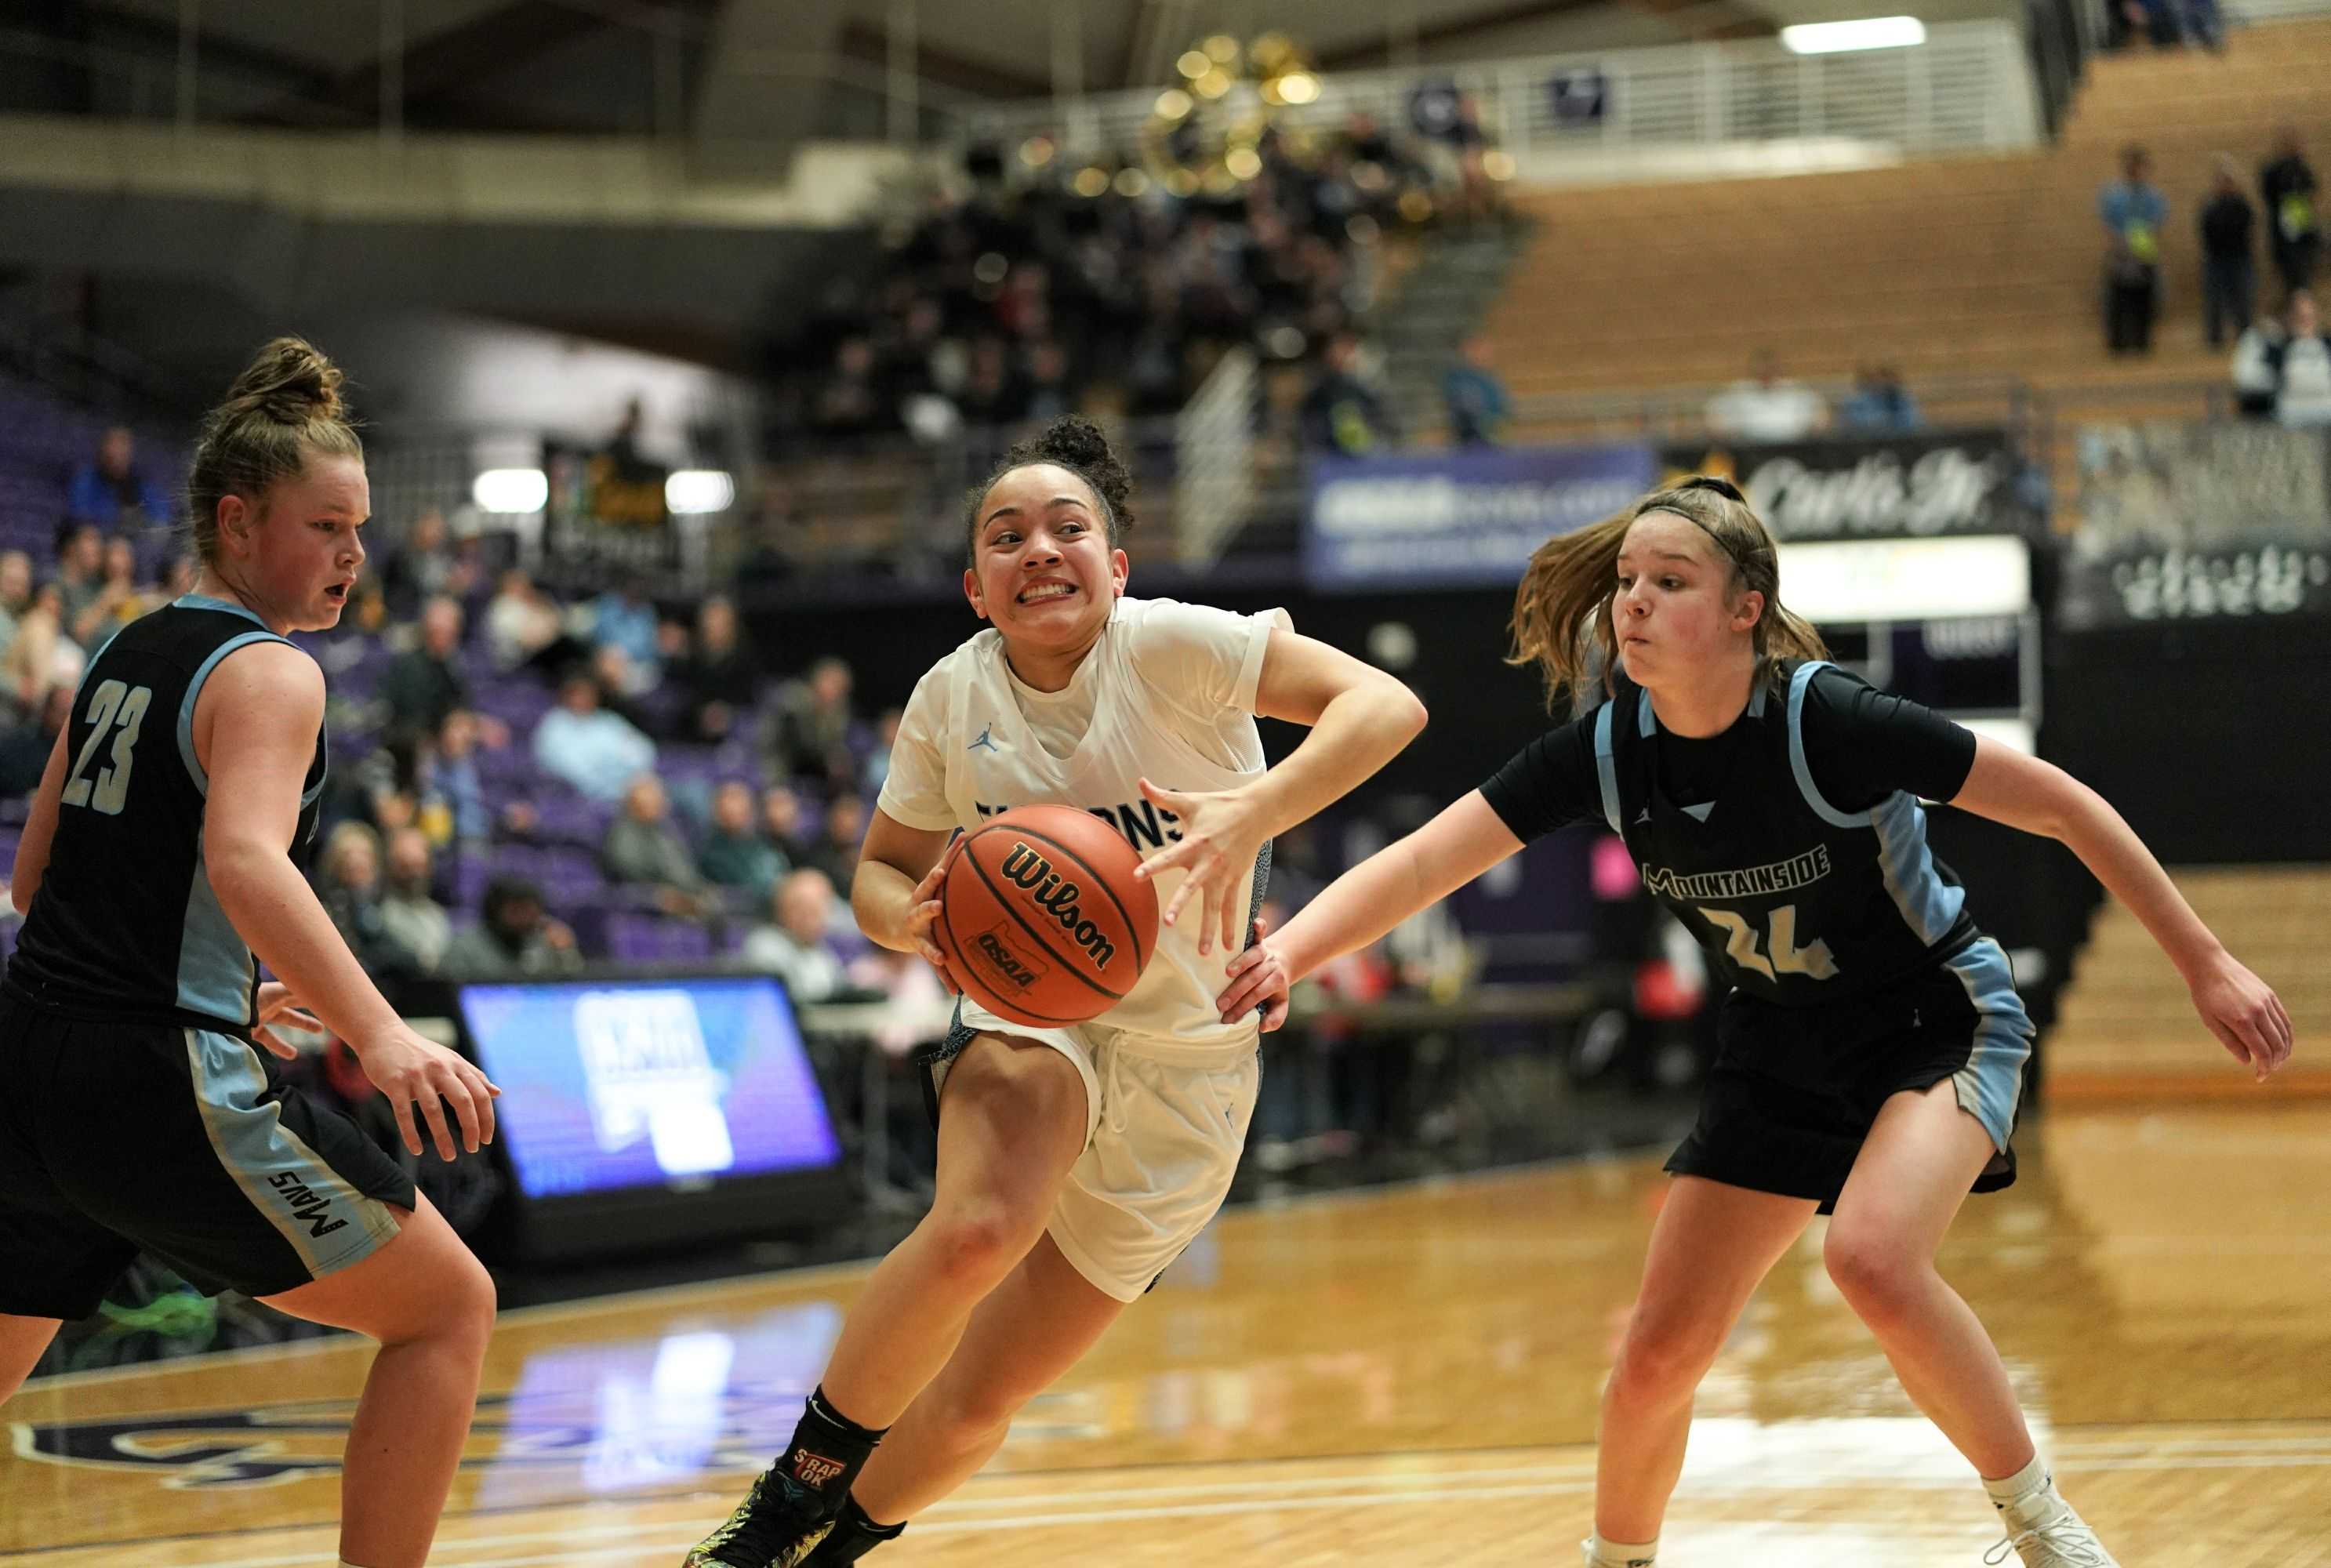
1170, 688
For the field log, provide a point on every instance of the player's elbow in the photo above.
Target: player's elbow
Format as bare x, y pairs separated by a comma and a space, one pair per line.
237, 867
20, 894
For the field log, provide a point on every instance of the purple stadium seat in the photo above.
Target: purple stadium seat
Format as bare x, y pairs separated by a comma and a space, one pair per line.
656, 939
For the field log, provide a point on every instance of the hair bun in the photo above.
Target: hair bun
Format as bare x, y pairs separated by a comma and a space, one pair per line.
1073, 442
290, 382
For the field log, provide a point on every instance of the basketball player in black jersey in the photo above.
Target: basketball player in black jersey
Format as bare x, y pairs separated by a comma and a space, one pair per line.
1871, 1046
163, 851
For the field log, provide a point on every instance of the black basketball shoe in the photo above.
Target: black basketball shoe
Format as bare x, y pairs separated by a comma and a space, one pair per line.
778, 1525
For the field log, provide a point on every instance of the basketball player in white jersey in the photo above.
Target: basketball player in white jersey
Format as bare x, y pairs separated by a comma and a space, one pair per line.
1073, 1163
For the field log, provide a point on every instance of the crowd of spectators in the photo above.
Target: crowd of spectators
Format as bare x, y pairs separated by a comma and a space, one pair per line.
1029, 296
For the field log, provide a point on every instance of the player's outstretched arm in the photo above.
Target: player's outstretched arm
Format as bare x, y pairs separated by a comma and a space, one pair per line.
1359, 718
2039, 797
255, 726
1366, 901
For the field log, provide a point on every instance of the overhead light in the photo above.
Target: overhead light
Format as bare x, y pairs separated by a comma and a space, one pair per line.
1870, 32
510, 489
698, 489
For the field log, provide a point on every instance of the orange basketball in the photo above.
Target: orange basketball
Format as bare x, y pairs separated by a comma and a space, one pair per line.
1041, 918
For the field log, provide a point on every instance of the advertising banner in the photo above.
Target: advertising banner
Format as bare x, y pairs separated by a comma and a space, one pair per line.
1466, 517
2200, 522
1905, 485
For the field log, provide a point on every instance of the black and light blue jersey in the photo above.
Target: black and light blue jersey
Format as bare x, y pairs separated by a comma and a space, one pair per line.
1796, 900
126, 925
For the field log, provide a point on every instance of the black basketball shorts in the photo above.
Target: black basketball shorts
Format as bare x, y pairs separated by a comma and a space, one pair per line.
1794, 1091
117, 1138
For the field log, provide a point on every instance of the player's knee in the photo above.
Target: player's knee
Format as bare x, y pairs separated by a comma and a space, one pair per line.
467, 1302
976, 1244
1878, 1276
1664, 1355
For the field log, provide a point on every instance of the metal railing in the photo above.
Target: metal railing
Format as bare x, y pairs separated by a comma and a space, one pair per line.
1966, 88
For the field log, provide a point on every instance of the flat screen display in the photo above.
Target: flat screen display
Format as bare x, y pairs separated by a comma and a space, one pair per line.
609, 1086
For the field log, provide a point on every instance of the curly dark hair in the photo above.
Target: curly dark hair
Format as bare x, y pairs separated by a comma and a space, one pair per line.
1077, 444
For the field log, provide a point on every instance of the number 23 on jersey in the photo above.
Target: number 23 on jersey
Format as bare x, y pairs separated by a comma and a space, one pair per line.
120, 710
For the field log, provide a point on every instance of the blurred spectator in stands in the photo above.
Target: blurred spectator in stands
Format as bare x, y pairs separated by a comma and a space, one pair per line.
645, 848
624, 617
109, 491
452, 797
850, 403
1766, 406
39, 658
1342, 413
836, 850
408, 910
1879, 404
1478, 403
424, 566
80, 570
735, 853
781, 825
2254, 377
1480, 197
2293, 231
15, 592
2229, 277
512, 938
2300, 365
2134, 211
425, 683
794, 946
721, 674
526, 627
27, 743
348, 881
809, 736
613, 670
120, 598
593, 751
1047, 395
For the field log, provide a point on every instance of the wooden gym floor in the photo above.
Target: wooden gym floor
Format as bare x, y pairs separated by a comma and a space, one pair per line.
1398, 1377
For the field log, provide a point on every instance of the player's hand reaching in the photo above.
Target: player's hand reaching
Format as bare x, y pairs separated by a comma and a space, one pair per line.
1259, 978
278, 1006
411, 1071
1223, 831
923, 912
2245, 1014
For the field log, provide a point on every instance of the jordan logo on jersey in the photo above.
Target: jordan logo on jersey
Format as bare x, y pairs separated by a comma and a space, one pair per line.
986, 738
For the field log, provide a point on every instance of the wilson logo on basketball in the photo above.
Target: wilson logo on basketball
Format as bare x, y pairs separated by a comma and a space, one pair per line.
814, 1470
1057, 899
1004, 962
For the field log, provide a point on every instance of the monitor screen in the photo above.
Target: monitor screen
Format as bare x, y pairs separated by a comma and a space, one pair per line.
615, 1085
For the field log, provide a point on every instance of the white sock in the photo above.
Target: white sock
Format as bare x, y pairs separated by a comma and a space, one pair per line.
345, 1563
1608, 1553
2008, 1490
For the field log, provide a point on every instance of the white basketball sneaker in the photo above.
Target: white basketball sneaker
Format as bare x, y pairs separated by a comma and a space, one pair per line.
2044, 1530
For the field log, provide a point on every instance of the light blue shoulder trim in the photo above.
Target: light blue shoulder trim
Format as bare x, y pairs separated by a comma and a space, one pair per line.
195, 690
1607, 770
1805, 785
1646, 723
204, 602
